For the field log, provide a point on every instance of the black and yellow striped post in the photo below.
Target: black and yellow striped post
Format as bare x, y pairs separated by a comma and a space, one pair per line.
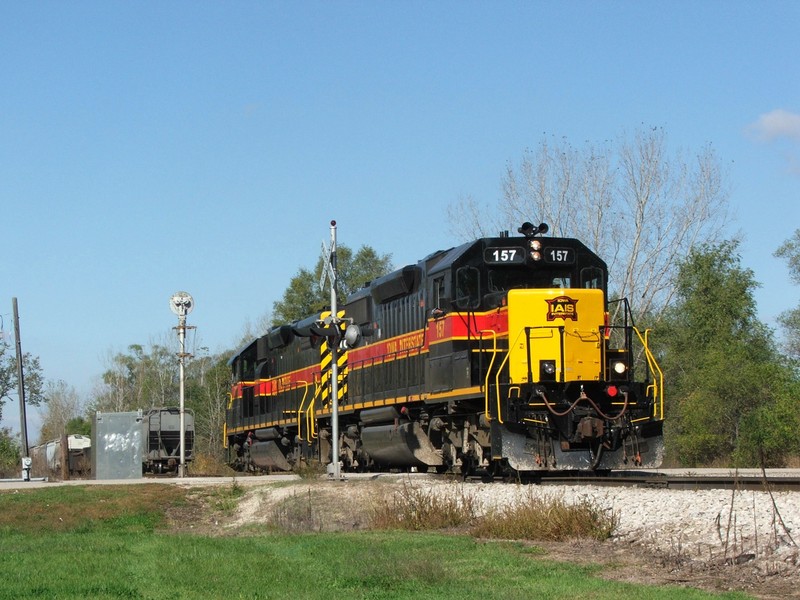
326, 364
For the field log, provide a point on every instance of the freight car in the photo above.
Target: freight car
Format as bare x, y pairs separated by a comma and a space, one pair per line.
161, 431
47, 457
499, 356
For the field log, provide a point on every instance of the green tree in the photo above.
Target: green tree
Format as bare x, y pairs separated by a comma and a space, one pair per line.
725, 375
770, 434
790, 319
304, 297
31, 372
10, 465
142, 378
79, 425
147, 377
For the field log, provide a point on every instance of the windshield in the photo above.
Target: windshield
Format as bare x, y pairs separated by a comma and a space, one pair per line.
503, 280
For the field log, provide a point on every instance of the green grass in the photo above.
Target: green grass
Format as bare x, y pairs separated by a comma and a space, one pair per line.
362, 565
226, 498
119, 509
93, 542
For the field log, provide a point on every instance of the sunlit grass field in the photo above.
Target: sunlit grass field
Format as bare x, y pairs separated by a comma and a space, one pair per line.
119, 542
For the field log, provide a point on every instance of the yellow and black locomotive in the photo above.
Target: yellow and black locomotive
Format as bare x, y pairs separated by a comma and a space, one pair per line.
501, 355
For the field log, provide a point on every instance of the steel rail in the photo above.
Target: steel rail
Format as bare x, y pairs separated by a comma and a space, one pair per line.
674, 482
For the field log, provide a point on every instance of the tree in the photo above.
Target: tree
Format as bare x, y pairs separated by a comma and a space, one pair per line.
208, 381
139, 379
32, 376
631, 201
10, 456
147, 377
79, 425
790, 319
63, 407
304, 297
725, 375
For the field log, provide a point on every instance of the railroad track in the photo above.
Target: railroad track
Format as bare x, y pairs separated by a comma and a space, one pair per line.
675, 482
789, 482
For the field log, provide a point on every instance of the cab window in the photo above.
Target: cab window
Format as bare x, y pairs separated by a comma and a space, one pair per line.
468, 288
437, 292
592, 278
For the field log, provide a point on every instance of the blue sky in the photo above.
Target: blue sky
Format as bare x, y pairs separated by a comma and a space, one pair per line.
151, 147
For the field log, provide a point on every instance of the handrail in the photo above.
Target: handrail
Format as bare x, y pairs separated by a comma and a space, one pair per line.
310, 420
500, 370
300, 408
658, 387
489, 371
497, 385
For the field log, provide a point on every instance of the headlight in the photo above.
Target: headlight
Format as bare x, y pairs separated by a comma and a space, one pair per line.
619, 367
547, 370
536, 245
536, 256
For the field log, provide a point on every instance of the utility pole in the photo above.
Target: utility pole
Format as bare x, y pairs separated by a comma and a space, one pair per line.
181, 303
23, 424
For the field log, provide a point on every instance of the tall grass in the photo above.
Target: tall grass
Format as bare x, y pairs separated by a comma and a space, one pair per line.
550, 519
534, 518
417, 509
209, 465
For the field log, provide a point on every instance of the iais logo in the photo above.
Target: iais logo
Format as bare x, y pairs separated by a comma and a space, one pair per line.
562, 307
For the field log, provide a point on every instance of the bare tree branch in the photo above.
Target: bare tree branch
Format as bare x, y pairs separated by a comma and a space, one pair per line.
632, 201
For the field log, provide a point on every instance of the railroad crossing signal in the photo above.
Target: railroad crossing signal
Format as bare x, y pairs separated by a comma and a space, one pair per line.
327, 266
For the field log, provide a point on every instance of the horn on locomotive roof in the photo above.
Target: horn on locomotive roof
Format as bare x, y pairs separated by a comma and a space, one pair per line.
528, 230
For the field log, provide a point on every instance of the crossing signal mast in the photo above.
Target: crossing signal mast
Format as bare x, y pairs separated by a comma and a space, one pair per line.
182, 303
329, 271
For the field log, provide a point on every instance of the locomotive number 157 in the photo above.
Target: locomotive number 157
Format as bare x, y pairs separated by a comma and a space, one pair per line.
493, 256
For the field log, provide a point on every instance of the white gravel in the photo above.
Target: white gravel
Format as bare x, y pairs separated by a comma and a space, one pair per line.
702, 526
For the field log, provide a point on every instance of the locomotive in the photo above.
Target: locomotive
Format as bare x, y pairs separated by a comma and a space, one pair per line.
501, 356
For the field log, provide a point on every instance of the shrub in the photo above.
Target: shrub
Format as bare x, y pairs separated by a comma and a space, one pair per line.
550, 519
537, 518
10, 458
417, 509
210, 466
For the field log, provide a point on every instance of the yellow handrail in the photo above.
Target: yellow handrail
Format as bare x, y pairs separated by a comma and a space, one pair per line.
300, 408
310, 420
657, 387
489, 371
497, 385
